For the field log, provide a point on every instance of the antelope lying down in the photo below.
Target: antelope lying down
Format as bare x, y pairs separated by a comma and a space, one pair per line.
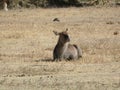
64, 50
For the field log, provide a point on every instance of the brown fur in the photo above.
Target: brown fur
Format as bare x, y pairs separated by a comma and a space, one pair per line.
64, 50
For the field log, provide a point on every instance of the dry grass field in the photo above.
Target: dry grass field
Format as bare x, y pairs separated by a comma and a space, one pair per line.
27, 42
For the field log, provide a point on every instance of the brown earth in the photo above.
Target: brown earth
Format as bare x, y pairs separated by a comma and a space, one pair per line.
27, 42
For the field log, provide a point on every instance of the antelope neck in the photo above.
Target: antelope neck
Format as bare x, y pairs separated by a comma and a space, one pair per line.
62, 44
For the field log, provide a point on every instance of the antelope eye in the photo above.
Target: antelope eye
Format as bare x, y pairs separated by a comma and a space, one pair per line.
66, 36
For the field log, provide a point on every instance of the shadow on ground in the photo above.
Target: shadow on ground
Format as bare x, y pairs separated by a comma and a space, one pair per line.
44, 60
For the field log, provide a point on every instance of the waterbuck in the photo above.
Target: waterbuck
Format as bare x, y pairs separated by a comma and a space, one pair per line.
64, 50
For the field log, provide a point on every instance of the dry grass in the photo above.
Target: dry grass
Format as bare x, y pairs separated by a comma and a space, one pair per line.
27, 42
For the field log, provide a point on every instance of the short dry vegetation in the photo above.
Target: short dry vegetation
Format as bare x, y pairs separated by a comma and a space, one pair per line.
27, 42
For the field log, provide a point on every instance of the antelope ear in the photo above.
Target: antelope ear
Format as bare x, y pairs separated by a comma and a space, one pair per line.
56, 33
66, 29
